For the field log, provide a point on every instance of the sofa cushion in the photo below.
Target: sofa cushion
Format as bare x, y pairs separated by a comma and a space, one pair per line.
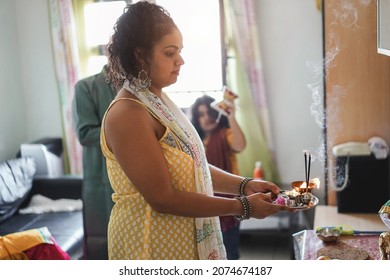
16, 177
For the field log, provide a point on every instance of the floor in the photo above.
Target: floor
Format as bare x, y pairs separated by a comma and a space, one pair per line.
266, 245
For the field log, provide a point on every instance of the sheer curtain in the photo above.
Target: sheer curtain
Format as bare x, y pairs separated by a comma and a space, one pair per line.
66, 61
245, 76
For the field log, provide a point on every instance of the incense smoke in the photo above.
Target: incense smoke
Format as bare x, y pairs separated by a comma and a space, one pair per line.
345, 14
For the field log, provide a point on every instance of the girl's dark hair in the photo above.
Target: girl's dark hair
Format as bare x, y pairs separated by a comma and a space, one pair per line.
206, 100
141, 26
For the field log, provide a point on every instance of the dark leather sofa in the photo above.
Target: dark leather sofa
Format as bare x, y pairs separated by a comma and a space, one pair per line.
65, 227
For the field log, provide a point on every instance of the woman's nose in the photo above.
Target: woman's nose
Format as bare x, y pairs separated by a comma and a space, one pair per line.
180, 60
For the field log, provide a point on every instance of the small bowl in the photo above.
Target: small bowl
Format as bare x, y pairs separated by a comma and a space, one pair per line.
329, 235
300, 186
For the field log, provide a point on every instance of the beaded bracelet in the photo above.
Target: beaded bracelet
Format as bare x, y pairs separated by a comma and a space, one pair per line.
247, 208
242, 184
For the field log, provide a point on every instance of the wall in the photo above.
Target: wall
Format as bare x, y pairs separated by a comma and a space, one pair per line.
291, 48
37, 72
290, 32
12, 116
30, 104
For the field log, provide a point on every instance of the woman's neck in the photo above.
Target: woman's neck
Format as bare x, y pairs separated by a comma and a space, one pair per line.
156, 91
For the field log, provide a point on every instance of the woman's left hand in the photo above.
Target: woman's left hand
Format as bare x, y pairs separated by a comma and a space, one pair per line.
257, 185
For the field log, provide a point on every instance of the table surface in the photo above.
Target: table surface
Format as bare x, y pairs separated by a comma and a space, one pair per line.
326, 215
307, 245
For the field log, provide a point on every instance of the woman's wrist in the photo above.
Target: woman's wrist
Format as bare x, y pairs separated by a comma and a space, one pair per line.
246, 208
242, 184
238, 210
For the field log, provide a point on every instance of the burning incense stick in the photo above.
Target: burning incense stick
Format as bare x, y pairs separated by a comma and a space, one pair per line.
308, 172
307, 156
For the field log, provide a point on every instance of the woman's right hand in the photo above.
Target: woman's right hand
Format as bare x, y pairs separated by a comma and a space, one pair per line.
262, 206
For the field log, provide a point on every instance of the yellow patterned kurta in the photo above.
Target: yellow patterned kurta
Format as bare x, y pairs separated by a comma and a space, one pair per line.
135, 230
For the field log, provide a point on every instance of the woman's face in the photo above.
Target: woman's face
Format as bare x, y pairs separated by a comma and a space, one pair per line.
206, 122
166, 60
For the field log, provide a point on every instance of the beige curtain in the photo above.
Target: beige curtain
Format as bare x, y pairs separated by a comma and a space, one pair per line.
66, 58
245, 76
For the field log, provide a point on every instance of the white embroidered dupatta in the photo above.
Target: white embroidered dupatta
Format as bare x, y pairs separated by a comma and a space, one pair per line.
208, 230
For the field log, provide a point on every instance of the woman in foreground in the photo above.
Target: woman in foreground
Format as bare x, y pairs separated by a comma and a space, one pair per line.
163, 186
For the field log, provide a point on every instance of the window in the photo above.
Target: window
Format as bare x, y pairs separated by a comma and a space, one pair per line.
98, 31
199, 22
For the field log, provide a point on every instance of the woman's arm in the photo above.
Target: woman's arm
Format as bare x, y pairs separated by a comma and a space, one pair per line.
238, 142
225, 182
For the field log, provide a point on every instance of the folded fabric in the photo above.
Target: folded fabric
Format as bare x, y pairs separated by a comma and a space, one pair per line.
31, 244
41, 204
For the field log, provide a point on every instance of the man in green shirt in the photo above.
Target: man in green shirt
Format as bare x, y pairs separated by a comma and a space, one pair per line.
93, 95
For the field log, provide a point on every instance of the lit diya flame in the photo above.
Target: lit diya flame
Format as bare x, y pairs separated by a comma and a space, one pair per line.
300, 186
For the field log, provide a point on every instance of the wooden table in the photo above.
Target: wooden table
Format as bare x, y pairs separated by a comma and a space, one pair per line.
328, 216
